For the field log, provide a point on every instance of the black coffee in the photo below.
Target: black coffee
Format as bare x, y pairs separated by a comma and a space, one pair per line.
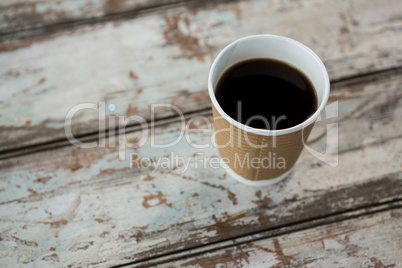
266, 88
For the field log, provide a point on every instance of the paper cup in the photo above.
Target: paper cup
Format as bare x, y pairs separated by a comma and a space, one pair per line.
260, 157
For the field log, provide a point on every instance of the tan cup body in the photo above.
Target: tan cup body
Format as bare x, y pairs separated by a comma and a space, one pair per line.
255, 156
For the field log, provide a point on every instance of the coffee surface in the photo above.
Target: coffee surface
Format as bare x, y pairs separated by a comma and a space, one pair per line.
266, 94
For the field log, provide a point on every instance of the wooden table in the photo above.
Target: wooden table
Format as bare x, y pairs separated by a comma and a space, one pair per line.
66, 206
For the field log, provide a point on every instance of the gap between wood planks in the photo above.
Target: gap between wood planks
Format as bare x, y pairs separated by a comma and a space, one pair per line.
266, 234
56, 27
93, 136
45, 30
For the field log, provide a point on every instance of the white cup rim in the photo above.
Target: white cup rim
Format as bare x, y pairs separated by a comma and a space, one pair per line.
266, 132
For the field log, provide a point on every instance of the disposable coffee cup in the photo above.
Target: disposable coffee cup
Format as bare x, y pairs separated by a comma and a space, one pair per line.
261, 157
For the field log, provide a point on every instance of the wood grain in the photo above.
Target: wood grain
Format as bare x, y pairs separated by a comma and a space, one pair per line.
21, 15
369, 241
164, 57
82, 207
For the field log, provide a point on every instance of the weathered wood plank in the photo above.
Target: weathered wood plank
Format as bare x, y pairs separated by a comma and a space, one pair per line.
164, 58
369, 241
20, 15
85, 206
270, 233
